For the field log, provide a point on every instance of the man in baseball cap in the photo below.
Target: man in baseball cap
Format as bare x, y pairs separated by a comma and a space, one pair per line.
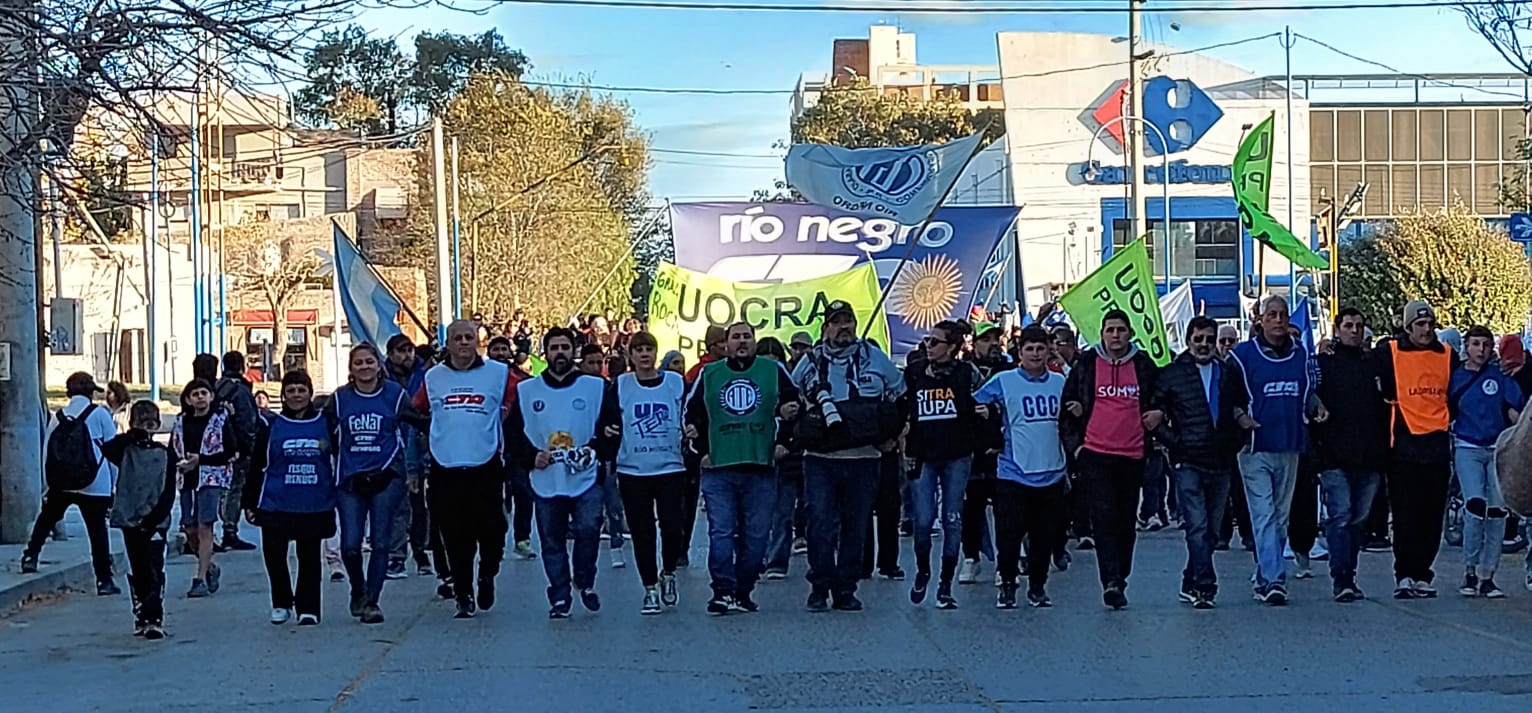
799, 345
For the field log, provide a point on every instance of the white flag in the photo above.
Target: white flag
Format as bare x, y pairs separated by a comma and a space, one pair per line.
904, 183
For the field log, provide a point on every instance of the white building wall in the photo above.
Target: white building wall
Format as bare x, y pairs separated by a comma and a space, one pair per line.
1049, 133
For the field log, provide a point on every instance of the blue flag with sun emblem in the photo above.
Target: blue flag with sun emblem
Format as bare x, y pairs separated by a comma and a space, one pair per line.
905, 183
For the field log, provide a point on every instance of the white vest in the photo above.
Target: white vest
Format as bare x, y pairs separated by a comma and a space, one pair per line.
467, 410
562, 421
651, 425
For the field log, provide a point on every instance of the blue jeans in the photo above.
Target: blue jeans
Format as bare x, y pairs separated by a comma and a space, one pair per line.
555, 517
1157, 488
1348, 496
357, 514
616, 523
1269, 482
739, 506
779, 547
1483, 509
840, 493
950, 477
1202, 495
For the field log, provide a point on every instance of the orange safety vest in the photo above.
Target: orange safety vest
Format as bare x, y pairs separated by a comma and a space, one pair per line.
1420, 378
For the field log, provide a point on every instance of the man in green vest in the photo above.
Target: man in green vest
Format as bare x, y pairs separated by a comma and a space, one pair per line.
731, 417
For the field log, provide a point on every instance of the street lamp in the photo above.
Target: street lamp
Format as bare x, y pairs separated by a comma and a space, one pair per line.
1165, 177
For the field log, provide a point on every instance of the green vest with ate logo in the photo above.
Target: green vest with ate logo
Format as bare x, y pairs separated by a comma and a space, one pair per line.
741, 412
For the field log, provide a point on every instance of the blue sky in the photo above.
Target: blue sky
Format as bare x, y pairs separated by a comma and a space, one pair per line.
636, 47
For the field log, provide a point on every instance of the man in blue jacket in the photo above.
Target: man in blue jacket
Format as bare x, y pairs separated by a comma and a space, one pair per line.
411, 523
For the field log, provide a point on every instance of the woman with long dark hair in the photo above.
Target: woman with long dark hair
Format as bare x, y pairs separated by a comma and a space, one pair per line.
365, 417
291, 497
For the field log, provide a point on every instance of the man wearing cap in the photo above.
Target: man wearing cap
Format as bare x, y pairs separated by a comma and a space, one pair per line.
800, 344
1414, 371
852, 418
412, 525
94, 500
989, 359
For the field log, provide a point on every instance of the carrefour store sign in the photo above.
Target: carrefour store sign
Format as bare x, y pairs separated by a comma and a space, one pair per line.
1093, 173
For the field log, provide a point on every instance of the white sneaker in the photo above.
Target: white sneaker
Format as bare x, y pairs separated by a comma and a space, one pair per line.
969, 573
281, 616
999, 580
307, 620
617, 559
1303, 569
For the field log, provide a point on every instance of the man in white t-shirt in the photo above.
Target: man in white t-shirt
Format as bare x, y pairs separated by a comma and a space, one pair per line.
93, 500
1029, 488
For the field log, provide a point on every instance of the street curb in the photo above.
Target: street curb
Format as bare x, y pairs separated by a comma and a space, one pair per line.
56, 579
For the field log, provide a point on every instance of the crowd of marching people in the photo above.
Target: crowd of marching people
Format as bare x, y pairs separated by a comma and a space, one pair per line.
823, 447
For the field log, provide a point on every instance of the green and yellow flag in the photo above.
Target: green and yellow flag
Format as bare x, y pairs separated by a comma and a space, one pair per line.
683, 303
1252, 192
1124, 282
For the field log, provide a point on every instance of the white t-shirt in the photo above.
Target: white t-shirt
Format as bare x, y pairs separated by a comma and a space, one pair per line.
102, 429
1029, 409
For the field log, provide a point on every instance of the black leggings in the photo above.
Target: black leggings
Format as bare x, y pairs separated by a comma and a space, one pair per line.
310, 571
651, 499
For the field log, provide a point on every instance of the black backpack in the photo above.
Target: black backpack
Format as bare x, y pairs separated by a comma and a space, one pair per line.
72, 461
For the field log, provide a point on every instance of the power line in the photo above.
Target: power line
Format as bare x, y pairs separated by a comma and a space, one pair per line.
1013, 9
723, 154
1427, 78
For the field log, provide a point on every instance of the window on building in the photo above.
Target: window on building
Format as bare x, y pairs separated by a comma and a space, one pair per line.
1198, 248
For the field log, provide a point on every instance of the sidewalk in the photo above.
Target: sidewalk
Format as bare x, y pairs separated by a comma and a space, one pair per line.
64, 565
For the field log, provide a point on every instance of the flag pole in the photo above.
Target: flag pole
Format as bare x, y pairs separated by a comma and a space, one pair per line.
919, 233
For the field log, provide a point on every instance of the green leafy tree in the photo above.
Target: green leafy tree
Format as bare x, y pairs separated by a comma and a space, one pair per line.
444, 61
558, 177
1471, 274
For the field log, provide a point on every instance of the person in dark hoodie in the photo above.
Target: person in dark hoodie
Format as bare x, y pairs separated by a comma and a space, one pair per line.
1349, 448
233, 391
1202, 439
1107, 410
1414, 372
557, 431
1272, 383
412, 524
990, 359
146, 491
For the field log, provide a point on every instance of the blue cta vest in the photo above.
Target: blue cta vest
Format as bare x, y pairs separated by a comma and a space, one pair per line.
1279, 390
370, 437
300, 471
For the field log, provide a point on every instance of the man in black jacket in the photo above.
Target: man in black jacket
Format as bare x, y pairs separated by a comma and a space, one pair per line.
1350, 448
1203, 438
989, 359
1107, 410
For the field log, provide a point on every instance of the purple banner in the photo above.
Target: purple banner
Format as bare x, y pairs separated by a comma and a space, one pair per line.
784, 242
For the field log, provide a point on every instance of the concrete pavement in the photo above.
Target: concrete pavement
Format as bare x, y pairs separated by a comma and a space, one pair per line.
65, 565
1158, 655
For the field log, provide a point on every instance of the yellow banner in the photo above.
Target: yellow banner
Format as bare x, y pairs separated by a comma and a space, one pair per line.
684, 303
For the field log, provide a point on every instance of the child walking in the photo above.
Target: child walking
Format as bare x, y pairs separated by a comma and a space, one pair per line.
146, 491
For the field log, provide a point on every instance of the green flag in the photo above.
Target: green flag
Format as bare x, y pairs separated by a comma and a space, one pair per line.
1252, 191
1125, 282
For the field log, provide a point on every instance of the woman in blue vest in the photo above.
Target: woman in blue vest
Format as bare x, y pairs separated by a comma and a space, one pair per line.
366, 415
292, 487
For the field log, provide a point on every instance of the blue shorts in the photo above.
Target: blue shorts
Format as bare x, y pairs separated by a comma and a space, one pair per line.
201, 506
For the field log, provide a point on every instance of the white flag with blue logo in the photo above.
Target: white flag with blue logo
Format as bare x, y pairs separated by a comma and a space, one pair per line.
905, 183
370, 308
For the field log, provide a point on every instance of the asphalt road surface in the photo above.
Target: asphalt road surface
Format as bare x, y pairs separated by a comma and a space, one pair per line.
1451, 654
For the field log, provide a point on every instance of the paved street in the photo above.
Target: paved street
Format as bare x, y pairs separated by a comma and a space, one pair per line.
1380, 655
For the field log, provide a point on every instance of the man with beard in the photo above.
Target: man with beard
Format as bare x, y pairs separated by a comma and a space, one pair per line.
852, 387
467, 398
731, 414
500, 349
558, 433
990, 359
1202, 439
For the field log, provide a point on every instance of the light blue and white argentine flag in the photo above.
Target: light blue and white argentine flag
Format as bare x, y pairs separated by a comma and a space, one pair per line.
370, 309
904, 183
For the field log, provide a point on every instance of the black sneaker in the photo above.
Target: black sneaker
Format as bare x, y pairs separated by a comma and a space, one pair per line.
29, 564
1006, 599
589, 600
819, 602
1489, 590
744, 604
918, 591
214, 578
464, 610
720, 604
371, 614
1347, 593
395, 570
1275, 595
424, 569
896, 574
1086, 543
1114, 597
444, 589
487, 593
107, 588
154, 632
1203, 601
1187, 595
560, 609
847, 602
1470, 586
1062, 559
231, 541
1377, 543
358, 601
1038, 599
944, 599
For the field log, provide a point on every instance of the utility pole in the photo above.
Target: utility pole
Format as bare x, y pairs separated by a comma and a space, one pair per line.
1292, 194
457, 241
443, 264
151, 251
21, 405
1134, 110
